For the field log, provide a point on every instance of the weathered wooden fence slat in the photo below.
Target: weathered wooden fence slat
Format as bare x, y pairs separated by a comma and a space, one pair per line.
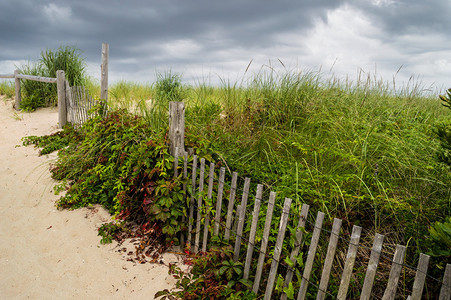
191, 204
230, 206
311, 255
445, 291
207, 206
297, 247
219, 200
264, 244
73, 107
372, 267
81, 103
349, 263
278, 248
241, 216
325, 275
78, 103
253, 232
185, 176
420, 277
199, 204
68, 99
395, 272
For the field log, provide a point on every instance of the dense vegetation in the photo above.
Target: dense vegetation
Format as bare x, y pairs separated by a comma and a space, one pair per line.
39, 94
361, 152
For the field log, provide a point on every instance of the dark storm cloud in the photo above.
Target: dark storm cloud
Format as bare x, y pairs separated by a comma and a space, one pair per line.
144, 35
125, 24
405, 16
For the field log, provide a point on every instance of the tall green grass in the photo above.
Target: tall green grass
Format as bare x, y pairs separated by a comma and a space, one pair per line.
66, 58
7, 88
363, 151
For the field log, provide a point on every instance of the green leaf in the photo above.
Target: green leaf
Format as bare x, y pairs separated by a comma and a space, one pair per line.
289, 262
289, 291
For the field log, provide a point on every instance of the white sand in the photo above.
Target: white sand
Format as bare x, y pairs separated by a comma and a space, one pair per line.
51, 254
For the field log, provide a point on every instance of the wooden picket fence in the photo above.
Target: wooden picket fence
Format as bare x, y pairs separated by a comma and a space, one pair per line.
79, 105
225, 218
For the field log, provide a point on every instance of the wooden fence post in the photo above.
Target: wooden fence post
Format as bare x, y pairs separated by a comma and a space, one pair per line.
61, 86
176, 126
18, 95
104, 73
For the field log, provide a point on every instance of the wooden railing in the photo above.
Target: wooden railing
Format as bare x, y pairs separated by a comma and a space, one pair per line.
62, 88
82, 101
231, 218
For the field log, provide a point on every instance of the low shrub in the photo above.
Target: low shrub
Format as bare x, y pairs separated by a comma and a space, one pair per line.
122, 164
212, 275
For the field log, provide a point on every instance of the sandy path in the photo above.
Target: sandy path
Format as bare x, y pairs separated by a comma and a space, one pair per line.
51, 254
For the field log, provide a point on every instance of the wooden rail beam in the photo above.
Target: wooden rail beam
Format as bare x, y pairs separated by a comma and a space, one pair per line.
36, 78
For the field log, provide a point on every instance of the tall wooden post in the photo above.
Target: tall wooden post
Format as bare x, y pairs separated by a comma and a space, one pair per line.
104, 73
18, 95
61, 86
176, 127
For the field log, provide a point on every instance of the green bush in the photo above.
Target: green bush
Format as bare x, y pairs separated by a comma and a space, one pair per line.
66, 58
168, 87
124, 165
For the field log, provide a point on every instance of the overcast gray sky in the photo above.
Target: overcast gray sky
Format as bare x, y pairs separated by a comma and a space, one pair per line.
217, 39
